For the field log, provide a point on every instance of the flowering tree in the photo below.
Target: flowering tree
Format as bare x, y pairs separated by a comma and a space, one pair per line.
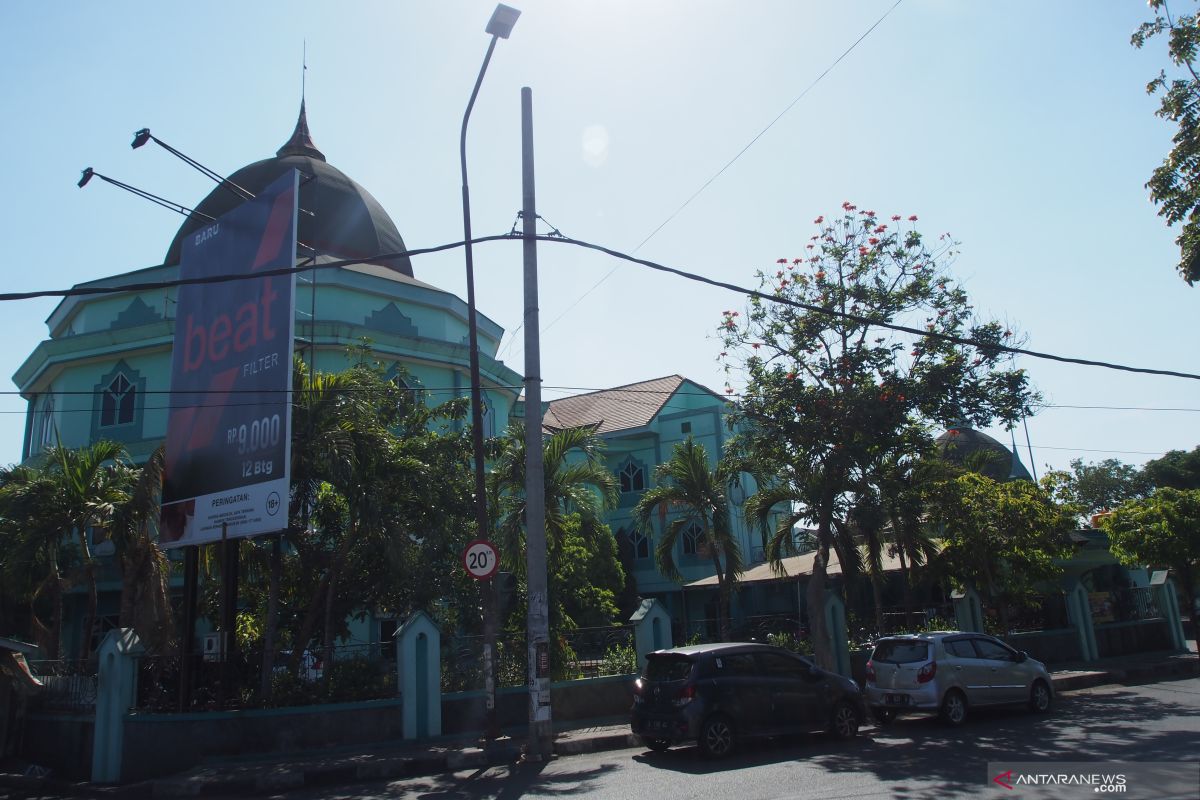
833, 388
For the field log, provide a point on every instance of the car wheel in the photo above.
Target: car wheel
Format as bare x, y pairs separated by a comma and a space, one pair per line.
954, 708
657, 745
716, 737
884, 716
843, 723
1039, 697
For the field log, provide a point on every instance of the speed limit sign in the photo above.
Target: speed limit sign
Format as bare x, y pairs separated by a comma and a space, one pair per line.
481, 559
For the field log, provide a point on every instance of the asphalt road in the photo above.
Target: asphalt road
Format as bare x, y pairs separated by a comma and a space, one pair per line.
912, 758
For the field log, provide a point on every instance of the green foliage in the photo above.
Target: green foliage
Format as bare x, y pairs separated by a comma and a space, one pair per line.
1178, 469
1003, 538
1091, 488
830, 399
360, 679
1175, 184
584, 571
619, 660
788, 641
1160, 530
691, 492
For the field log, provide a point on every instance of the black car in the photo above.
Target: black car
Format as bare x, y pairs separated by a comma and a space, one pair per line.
718, 694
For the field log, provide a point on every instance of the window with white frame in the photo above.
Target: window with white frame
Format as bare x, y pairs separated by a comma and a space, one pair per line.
118, 402
632, 476
637, 541
693, 539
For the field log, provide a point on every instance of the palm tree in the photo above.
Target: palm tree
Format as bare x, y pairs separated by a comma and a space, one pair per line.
145, 569
60, 498
93, 483
685, 483
576, 482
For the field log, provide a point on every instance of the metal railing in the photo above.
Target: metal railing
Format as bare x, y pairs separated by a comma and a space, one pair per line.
68, 684
357, 672
574, 654
1133, 604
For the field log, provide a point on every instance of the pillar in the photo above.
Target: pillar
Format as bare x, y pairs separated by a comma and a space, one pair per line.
116, 692
419, 677
651, 629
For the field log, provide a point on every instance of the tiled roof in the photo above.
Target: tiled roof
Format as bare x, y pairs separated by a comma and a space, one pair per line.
608, 410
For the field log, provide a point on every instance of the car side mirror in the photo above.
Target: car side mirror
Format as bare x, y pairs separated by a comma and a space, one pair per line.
1022, 656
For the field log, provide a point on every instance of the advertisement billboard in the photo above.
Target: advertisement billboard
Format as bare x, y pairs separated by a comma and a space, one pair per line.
229, 429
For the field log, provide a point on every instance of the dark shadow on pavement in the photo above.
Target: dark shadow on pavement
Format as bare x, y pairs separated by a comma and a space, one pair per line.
1121, 725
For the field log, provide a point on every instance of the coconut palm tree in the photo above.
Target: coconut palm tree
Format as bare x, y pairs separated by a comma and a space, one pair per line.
688, 485
93, 482
60, 498
576, 482
145, 569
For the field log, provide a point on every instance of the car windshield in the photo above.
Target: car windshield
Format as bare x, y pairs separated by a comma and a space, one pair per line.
667, 668
901, 652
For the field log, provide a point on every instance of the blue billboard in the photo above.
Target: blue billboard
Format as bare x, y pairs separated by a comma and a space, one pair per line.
226, 471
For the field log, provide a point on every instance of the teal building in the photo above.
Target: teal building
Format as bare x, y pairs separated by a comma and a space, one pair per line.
103, 371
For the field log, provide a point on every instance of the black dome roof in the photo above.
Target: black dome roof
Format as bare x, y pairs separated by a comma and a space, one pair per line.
960, 442
338, 217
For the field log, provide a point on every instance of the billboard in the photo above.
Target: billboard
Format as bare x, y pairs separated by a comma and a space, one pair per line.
229, 429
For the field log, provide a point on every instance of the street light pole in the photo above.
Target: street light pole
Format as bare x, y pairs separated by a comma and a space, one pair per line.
499, 26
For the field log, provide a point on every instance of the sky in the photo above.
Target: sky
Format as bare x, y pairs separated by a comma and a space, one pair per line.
1022, 128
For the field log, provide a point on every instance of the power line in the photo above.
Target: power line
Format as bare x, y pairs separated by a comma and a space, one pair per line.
1093, 450
719, 172
944, 337
516, 387
829, 312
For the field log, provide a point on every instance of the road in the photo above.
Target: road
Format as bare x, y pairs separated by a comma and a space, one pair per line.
913, 758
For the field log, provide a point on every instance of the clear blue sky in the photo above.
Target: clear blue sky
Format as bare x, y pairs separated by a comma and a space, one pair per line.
1022, 128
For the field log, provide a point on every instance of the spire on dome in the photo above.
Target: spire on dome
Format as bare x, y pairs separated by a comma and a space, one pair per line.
301, 143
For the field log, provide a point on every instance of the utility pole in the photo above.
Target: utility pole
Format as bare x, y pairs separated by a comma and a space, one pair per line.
538, 618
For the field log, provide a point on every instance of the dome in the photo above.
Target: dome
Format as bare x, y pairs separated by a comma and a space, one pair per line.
959, 445
337, 216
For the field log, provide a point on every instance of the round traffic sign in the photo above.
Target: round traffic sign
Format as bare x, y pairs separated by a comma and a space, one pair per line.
481, 559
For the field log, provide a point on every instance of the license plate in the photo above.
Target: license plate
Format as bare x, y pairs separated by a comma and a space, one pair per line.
896, 699
658, 725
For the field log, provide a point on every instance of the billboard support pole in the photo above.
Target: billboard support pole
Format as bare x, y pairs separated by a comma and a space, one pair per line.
187, 642
229, 575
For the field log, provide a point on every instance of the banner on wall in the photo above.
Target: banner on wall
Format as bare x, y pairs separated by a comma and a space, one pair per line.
226, 471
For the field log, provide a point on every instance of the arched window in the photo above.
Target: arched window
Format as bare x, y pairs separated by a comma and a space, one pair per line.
632, 476
46, 435
693, 539
637, 542
118, 402
489, 418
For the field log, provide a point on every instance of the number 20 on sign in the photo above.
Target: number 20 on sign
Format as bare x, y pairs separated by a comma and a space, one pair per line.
481, 559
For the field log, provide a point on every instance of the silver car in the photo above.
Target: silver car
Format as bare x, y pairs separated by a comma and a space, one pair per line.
949, 673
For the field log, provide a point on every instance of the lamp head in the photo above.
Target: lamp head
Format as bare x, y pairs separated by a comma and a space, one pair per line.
140, 138
502, 21
87, 176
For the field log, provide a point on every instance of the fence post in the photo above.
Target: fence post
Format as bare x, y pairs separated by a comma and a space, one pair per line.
419, 677
1079, 609
968, 610
116, 690
1163, 592
835, 624
651, 630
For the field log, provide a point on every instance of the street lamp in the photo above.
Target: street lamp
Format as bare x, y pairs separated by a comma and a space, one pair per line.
499, 26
